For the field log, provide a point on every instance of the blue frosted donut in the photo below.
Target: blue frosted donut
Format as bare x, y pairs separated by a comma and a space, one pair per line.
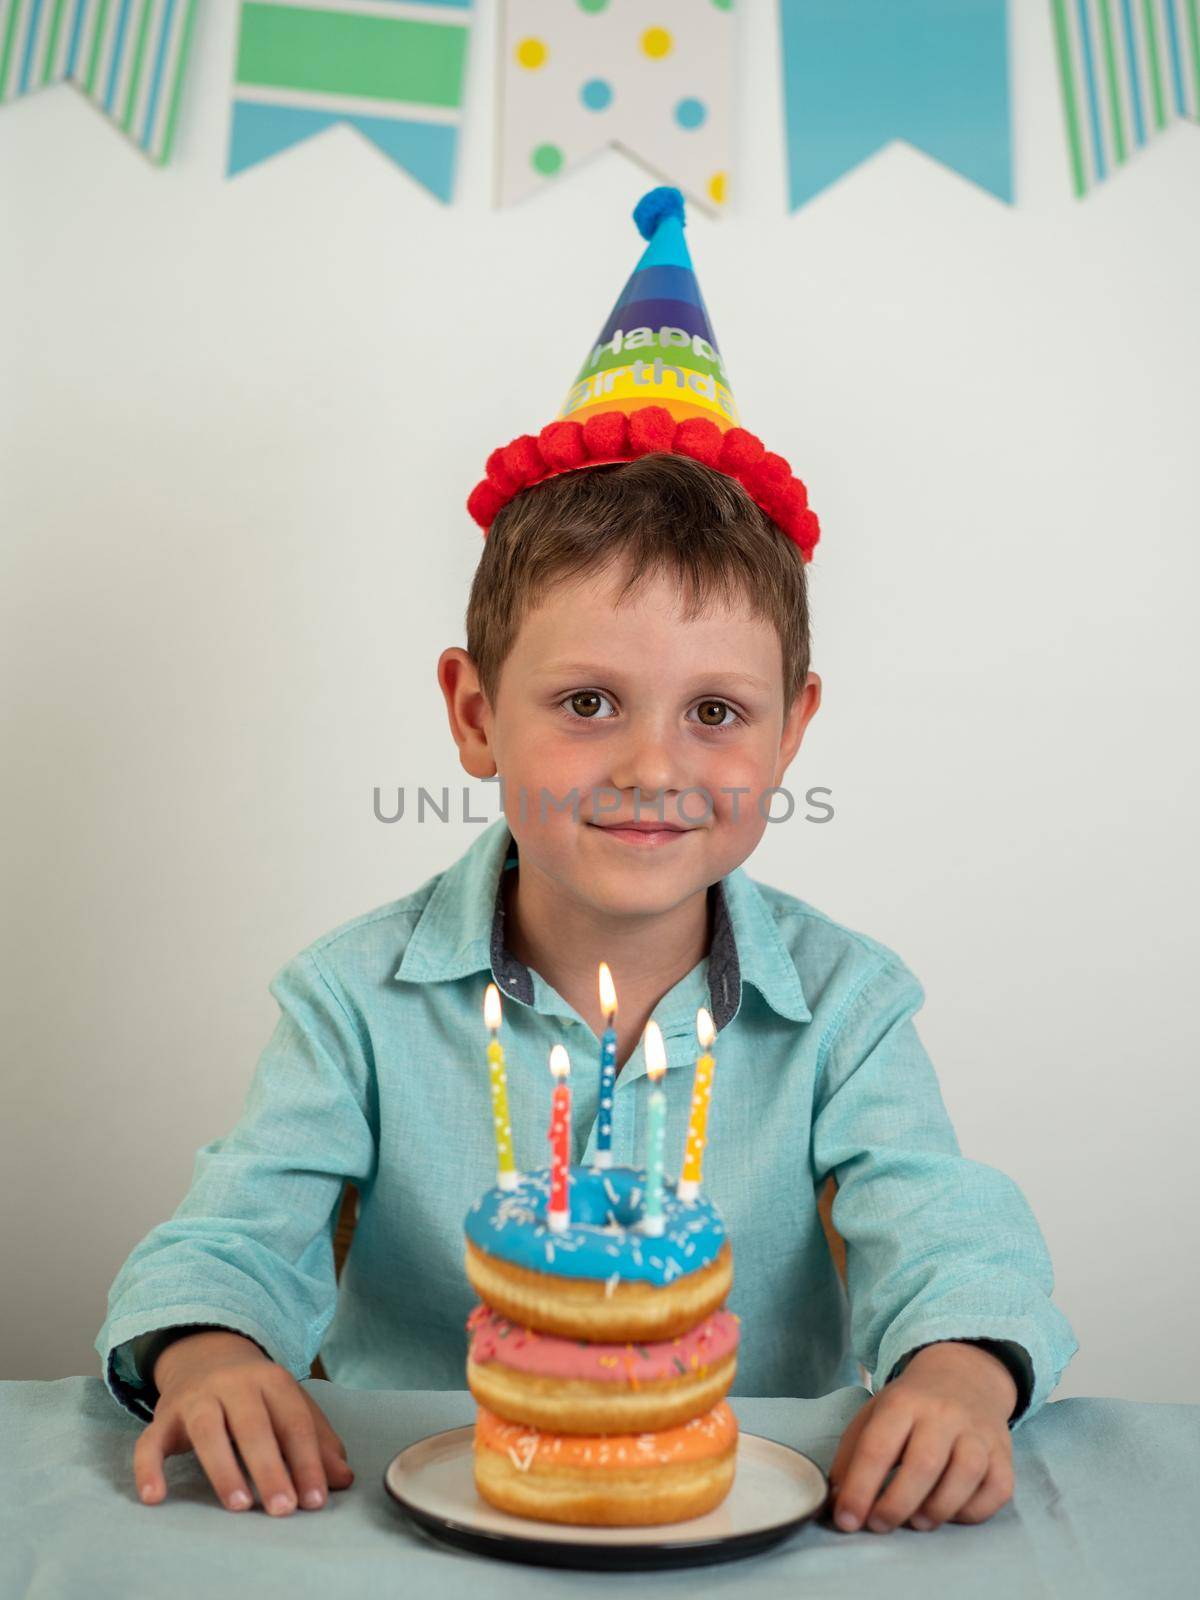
603, 1239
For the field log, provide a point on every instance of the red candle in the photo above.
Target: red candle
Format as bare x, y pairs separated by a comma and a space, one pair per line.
558, 1214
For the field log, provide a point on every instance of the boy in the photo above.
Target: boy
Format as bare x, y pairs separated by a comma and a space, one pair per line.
637, 676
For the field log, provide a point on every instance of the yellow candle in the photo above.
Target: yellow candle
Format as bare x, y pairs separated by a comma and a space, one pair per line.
697, 1130
507, 1175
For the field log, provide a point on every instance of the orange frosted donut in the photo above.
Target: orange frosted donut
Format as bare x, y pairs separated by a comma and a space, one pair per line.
567, 1386
606, 1479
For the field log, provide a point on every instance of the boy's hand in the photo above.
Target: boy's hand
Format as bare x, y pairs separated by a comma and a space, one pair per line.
219, 1389
944, 1421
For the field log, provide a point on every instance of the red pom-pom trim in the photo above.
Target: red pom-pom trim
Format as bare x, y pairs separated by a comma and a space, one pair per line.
699, 438
561, 443
484, 501
523, 460
808, 532
608, 436
739, 451
651, 428
498, 474
767, 476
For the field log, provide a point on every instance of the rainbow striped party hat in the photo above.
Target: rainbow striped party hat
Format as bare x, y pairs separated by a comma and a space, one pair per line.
653, 381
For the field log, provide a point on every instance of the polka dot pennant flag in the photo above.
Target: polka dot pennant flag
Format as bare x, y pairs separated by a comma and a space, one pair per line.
1128, 70
392, 69
129, 57
654, 80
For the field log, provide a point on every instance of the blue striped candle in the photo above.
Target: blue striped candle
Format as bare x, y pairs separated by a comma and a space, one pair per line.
608, 1068
656, 1130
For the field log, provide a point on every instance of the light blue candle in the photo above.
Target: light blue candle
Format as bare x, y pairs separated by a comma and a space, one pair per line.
608, 1069
656, 1129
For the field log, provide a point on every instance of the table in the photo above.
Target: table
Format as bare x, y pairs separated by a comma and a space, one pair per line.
1105, 1505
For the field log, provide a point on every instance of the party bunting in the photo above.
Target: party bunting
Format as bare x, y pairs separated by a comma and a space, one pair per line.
35, 45
391, 69
131, 62
858, 74
127, 56
656, 82
1128, 70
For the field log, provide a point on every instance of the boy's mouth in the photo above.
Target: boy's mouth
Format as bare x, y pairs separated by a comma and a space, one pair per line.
642, 833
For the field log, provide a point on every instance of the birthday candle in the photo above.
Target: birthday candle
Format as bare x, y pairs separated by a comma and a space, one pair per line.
608, 1068
656, 1128
507, 1176
558, 1213
697, 1130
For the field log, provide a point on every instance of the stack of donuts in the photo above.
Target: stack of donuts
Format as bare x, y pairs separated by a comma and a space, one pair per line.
601, 1354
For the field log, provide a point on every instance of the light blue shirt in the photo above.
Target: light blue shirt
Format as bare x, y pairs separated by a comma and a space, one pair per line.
376, 1073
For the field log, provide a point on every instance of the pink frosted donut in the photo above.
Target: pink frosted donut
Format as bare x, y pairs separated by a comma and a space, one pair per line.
569, 1386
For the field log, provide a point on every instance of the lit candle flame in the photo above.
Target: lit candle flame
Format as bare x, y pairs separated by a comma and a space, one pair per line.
560, 1061
491, 1007
608, 992
656, 1051
705, 1031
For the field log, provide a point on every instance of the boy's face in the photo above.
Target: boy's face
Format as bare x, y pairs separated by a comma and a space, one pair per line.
599, 708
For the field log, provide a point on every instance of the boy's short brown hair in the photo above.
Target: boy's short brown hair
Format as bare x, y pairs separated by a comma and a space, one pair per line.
657, 514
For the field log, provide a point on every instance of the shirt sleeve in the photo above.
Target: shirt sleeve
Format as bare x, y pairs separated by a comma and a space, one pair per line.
938, 1246
250, 1247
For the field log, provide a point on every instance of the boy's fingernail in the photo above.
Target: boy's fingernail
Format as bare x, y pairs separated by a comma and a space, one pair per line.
313, 1498
847, 1520
149, 1492
282, 1502
239, 1500
921, 1522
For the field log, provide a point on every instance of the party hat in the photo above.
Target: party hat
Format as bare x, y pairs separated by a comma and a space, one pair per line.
654, 380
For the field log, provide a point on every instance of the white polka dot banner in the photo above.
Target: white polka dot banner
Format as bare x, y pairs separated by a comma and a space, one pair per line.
577, 76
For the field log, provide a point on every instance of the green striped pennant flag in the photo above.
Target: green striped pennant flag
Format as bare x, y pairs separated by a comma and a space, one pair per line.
393, 69
1127, 70
35, 45
127, 56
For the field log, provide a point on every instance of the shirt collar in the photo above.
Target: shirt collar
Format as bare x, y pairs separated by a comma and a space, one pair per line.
461, 931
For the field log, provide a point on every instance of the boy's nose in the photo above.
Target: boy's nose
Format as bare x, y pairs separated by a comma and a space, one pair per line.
644, 769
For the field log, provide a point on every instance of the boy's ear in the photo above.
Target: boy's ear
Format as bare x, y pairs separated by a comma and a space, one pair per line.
468, 710
803, 710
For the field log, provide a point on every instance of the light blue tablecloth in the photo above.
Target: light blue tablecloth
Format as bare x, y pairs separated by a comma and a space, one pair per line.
1105, 1505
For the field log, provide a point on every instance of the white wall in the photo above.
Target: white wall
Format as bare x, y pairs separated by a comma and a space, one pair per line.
239, 420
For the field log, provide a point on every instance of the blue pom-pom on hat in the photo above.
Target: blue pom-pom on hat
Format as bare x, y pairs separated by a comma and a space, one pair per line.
655, 207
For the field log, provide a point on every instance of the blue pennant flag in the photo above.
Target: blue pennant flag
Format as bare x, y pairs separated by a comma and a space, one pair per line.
859, 73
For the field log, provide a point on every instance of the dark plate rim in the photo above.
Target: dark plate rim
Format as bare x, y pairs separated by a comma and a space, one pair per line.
559, 1553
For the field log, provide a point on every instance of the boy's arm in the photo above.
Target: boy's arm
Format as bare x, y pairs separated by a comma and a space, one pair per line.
250, 1247
938, 1247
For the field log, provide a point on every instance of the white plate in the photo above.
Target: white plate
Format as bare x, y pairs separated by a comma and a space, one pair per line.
775, 1490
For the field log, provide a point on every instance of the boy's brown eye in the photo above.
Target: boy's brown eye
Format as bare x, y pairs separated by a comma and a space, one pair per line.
717, 706
586, 703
